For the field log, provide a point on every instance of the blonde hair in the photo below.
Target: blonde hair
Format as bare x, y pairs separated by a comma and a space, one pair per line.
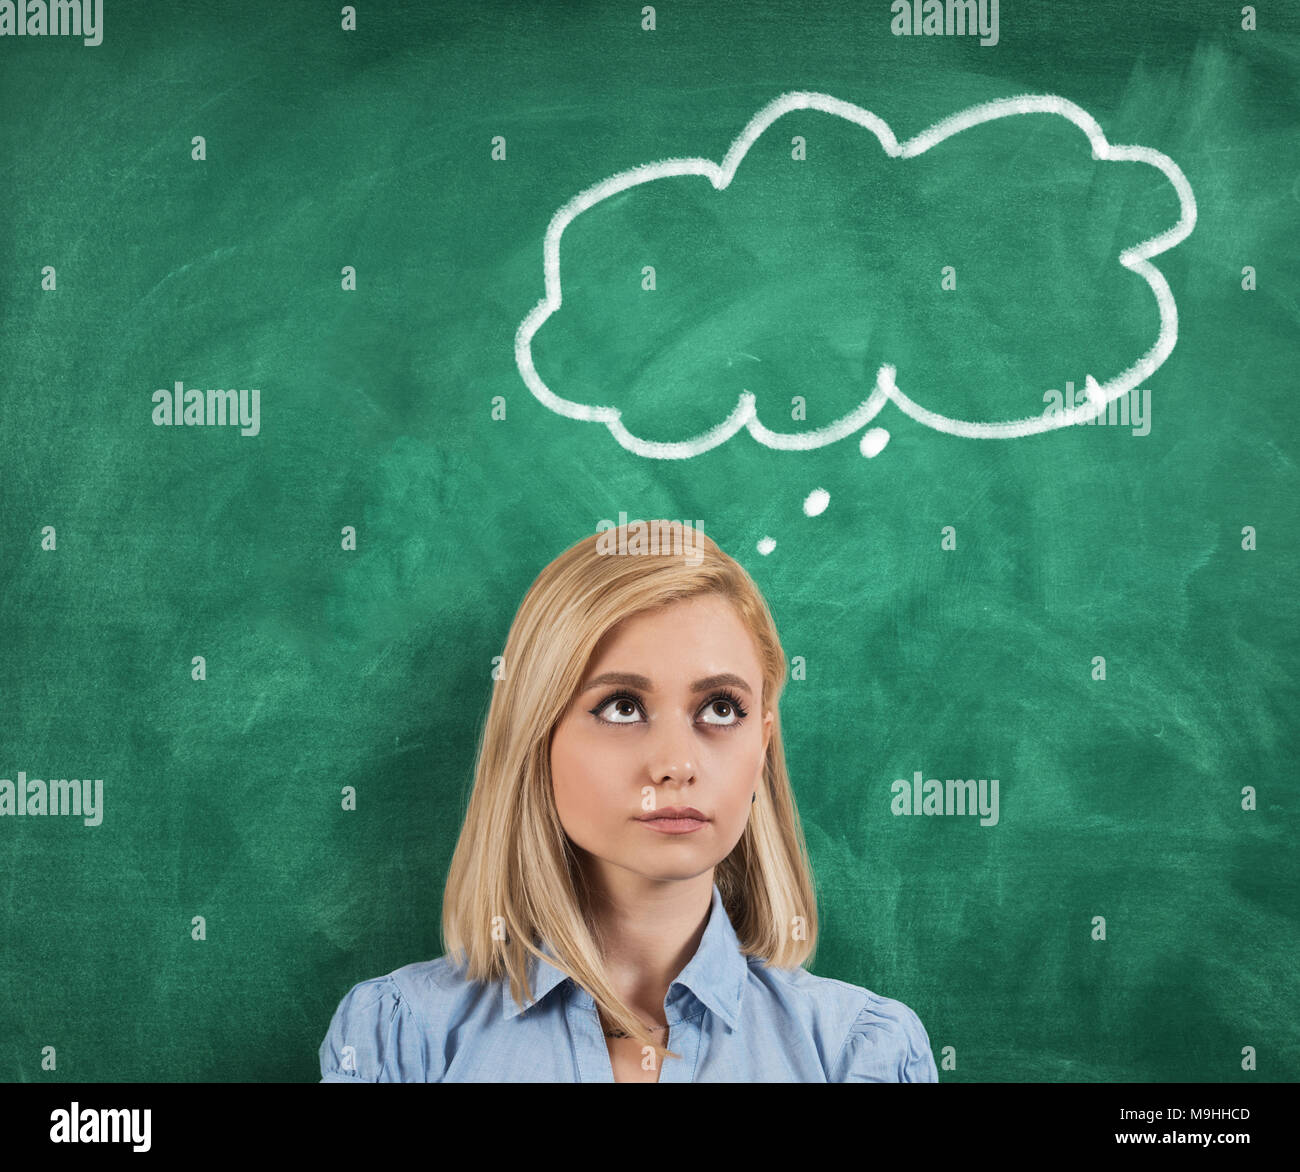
514, 867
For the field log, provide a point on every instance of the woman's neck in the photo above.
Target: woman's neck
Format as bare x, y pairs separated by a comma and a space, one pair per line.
648, 931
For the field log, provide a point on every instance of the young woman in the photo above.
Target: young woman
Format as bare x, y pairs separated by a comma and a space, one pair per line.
630, 899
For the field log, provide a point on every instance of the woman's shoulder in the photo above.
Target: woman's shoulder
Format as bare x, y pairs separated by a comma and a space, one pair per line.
387, 1029
863, 1036
423, 987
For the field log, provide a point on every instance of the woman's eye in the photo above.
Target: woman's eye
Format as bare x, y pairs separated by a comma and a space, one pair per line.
723, 709
621, 711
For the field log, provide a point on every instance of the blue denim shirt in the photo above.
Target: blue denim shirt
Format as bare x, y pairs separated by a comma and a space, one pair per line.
730, 1019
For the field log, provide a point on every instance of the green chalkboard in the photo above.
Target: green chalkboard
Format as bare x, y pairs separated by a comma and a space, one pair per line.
978, 352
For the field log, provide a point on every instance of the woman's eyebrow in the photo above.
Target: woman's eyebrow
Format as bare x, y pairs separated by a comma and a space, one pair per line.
632, 680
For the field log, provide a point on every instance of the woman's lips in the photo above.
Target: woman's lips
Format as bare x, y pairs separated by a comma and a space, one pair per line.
674, 820
674, 825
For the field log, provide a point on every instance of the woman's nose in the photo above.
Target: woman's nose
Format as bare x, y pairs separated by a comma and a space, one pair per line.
671, 754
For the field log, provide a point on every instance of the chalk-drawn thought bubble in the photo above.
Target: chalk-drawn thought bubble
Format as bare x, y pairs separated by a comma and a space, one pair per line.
889, 385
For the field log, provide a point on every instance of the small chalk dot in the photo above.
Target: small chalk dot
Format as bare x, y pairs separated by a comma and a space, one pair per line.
766, 545
817, 501
873, 442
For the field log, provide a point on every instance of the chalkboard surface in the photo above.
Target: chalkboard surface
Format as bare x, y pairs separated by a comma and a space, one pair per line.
452, 352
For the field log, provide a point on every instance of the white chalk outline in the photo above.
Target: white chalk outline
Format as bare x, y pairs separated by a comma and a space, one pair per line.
886, 390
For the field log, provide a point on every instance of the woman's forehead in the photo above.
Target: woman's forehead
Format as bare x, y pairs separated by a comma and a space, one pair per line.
694, 638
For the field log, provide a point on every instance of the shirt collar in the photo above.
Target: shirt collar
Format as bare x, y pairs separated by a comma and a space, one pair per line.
715, 975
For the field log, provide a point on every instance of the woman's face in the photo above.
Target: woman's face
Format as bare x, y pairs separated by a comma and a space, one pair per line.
656, 725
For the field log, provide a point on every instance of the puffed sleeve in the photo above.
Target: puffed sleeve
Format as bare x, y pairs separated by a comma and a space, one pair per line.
887, 1043
373, 1037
